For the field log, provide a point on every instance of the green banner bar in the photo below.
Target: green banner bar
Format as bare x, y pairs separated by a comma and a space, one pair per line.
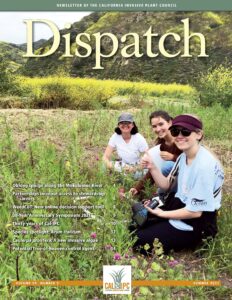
117, 5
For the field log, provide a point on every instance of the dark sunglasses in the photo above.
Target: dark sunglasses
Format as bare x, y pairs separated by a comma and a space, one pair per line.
176, 131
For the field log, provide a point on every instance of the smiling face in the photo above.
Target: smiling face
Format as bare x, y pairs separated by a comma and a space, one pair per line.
160, 127
125, 127
186, 140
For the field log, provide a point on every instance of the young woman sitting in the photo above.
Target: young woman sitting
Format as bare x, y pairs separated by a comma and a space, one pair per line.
128, 143
191, 214
164, 153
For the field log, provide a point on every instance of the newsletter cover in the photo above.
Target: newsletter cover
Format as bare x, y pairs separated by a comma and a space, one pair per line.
71, 73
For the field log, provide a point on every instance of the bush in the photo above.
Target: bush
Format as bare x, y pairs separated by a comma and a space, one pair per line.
216, 87
14, 102
5, 77
10, 84
52, 95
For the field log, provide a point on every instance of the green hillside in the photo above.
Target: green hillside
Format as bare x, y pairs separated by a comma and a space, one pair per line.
215, 26
13, 55
36, 45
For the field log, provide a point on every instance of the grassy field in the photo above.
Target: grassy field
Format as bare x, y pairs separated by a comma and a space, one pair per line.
51, 147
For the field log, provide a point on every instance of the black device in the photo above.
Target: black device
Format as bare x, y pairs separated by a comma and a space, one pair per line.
154, 203
140, 213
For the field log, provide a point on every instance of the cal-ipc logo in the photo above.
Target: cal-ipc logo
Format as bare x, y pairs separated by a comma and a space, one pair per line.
116, 279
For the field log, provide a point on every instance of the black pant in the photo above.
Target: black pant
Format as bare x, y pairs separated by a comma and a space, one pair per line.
169, 236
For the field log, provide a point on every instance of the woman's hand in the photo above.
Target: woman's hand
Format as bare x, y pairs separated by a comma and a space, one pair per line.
178, 214
157, 211
166, 155
160, 180
146, 162
121, 193
129, 169
133, 191
107, 156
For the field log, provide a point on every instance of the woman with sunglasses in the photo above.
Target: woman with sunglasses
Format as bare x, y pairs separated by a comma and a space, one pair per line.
164, 153
191, 213
128, 143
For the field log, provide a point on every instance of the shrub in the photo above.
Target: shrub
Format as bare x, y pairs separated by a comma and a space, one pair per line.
9, 83
52, 95
14, 102
5, 77
216, 87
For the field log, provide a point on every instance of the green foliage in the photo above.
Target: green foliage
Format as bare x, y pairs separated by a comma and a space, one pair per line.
9, 82
52, 95
84, 93
106, 21
216, 87
14, 102
13, 55
5, 77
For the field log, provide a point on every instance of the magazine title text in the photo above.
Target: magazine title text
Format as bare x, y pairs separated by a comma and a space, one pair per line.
128, 44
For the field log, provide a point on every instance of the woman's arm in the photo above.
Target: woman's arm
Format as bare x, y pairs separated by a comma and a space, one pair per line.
140, 186
107, 156
160, 180
178, 214
165, 155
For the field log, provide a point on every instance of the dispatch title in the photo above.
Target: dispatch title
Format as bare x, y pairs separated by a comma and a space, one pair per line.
128, 44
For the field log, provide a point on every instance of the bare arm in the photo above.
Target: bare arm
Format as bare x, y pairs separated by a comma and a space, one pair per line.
160, 180
107, 156
140, 186
167, 155
178, 214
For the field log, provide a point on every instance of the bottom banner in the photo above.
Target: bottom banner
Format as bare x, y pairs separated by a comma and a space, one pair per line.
100, 283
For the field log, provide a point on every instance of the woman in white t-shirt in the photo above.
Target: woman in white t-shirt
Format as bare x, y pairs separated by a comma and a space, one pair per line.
191, 213
127, 142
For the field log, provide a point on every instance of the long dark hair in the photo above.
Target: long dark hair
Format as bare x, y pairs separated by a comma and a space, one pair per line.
162, 114
134, 130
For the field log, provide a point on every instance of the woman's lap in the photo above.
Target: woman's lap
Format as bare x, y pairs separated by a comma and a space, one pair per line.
170, 237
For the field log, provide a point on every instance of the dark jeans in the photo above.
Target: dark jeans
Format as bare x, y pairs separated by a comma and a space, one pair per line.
170, 237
